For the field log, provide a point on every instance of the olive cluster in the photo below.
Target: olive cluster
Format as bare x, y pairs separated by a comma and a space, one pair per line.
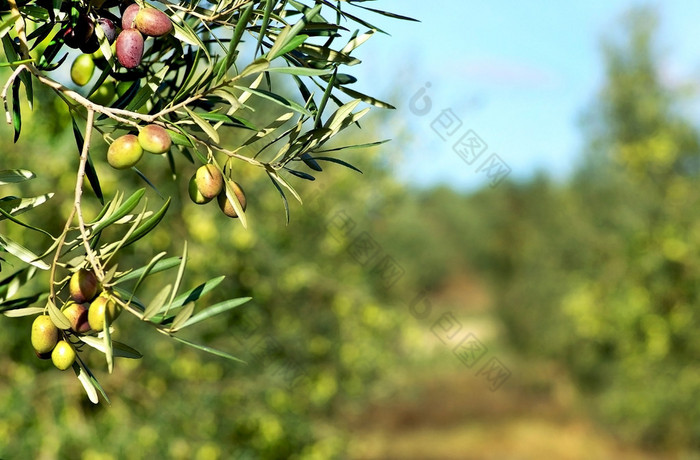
136, 22
128, 149
86, 311
207, 183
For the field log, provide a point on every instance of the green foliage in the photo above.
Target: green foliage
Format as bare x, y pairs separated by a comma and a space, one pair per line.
186, 75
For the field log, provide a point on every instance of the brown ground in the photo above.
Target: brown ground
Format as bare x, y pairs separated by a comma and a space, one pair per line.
439, 409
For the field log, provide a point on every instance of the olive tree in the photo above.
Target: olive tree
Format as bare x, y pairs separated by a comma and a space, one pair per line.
171, 79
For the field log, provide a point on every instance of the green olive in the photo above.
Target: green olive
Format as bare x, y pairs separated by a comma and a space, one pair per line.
104, 94
82, 69
44, 334
63, 355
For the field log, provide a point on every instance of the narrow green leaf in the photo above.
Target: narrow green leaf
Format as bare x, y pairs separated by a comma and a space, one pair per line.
22, 253
179, 139
5, 215
277, 99
21, 302
387, 13
147, 269
216, 309
327, 55
304, 71
58, 318
365, 98
87, 383
213, 351
122, 350
149, 225
338, 161
258, 65
178, 278
90, 171
269, 6
275, 175
182, 317
293, 44
269, 129
157, 303
27, 311
233, 199
196, 293
11, 176
15, 206
356, 146
16, 109
289, 34
107, 341
357, 41
7, 23
285, 202
120, 212
343, 112
162, 265
185, 33
206, 127
110, 274
11, 284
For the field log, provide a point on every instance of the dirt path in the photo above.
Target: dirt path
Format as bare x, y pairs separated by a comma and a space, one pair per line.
437, 408
456, 416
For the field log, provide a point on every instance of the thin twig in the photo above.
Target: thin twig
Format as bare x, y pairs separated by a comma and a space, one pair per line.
79, 192
3, 95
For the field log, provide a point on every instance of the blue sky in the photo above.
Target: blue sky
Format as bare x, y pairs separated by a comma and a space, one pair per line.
518, 74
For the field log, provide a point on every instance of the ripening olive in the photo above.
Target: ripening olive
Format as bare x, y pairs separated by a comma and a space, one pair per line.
153, 22
225, 205
77, 314
82, 69
101, 306
195, 195
154, 139
124, 152
83, 286
63, 355
129, 15
129, 47
44, 334
209, 181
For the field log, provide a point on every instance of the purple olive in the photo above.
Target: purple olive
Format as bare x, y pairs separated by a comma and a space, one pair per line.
153, 22
129, 48
80, 35
109, 29
129, 15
